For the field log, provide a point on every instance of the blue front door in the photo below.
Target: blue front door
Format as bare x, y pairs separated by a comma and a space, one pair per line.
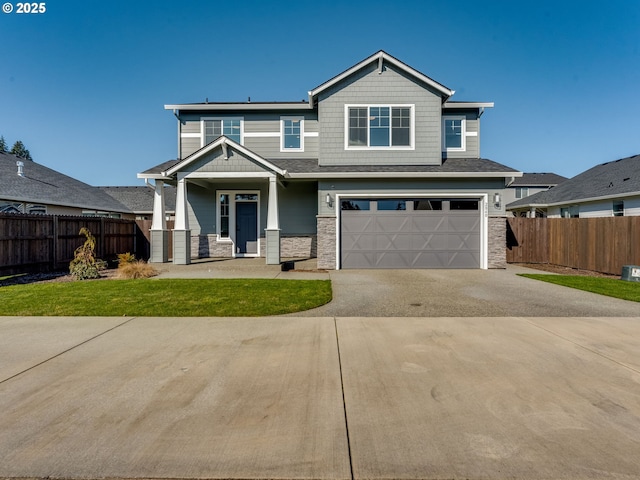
246, 228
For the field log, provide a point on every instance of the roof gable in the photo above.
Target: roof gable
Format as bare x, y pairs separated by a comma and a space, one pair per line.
380, 58
220, 149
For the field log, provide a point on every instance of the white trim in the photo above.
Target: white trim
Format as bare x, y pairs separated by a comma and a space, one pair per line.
311, 134
261, 134
203, 132
463, 133
405, 175
384, 57
368, 106
232, 219
240, 106
465, 105
483, 198
191, 135
300, 119
216, 175
471, 134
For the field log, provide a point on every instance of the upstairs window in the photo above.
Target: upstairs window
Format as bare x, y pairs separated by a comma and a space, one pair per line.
453, 134
379, 126
522, 192
292, 134
229, 127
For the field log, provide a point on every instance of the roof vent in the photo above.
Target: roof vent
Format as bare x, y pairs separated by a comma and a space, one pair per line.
20, 166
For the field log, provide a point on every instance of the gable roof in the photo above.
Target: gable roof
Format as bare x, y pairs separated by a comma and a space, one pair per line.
139, 199
538, 180
45, 186
619, 178
169, 168
381, 57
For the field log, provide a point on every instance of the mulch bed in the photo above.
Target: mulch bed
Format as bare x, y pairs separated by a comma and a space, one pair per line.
51, 277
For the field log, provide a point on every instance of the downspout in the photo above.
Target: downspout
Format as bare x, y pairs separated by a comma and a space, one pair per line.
176, 113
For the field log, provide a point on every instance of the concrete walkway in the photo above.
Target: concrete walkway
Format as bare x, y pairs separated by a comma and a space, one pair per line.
324, 397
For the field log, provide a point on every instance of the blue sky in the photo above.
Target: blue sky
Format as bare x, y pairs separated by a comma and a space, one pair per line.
84, 84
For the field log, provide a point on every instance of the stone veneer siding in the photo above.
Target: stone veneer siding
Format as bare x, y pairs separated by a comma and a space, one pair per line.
208, 246
327, 241
497, 242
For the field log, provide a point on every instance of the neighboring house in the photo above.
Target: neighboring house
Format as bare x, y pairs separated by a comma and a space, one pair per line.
611, 189
530, 184
378, 169
28, 187
139, 199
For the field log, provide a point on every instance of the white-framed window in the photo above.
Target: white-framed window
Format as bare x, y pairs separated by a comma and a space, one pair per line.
454, 133
522, 192
618, 208
230, 127
379, 127
291, 134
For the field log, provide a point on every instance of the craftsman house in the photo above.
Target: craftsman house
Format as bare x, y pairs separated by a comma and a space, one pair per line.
377, 169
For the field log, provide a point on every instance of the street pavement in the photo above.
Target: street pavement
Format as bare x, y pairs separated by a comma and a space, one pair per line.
486, 396
323, 397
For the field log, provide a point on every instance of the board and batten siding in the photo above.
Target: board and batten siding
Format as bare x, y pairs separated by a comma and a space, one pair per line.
391, 87
261, 133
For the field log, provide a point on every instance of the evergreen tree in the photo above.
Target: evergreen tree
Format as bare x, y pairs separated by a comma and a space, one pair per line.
3, 145
19, 150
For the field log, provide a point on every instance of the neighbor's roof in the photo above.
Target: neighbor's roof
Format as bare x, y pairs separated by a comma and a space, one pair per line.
139, 199
619, 178
538, 180
43, 185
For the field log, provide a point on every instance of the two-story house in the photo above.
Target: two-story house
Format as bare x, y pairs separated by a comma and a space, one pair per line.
377, 169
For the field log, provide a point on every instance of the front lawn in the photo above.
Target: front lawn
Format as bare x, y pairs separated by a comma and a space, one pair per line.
165, 297
604, 286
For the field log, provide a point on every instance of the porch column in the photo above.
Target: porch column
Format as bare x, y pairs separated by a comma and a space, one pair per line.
532, 212
272, 232
159, 234
181, 232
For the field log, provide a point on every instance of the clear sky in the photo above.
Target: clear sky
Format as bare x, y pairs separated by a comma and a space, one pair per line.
84, 84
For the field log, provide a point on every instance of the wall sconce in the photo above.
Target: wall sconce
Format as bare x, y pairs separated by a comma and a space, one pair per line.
329, 200
496, 199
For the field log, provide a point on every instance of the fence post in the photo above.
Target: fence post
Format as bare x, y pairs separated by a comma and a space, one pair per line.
54, 242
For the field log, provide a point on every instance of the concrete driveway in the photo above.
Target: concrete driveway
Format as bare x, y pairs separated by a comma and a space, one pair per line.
324, 397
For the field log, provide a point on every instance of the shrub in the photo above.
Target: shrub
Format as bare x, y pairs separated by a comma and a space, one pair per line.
85, 265
136, 269
124, 258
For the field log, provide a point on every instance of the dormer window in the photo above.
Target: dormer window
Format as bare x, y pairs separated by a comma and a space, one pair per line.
213, 128
379, 126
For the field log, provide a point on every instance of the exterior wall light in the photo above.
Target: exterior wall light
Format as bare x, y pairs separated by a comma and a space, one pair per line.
496, 199
329, 200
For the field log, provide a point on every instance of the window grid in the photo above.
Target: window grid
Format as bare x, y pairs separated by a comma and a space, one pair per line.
379, 126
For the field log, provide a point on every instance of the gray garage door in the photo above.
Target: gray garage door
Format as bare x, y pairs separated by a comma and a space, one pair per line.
410, 233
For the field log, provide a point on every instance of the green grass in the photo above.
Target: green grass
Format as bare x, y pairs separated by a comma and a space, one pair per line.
604, 286
165, 297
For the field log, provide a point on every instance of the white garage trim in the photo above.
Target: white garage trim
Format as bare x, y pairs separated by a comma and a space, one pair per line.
483, 212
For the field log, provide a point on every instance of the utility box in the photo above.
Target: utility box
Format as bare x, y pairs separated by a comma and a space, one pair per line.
631, 273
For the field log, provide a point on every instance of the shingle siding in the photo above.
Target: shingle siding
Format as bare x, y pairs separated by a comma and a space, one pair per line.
392, 87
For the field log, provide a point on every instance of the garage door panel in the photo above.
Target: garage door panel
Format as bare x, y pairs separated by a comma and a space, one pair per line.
410, 239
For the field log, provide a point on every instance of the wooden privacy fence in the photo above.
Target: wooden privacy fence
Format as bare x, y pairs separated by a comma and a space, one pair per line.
37, 243
597, 244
